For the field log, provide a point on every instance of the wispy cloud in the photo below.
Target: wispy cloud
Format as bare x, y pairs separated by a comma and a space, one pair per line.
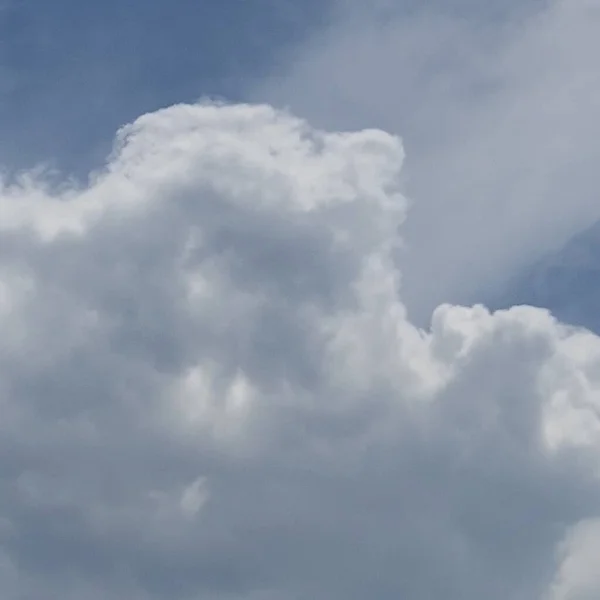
500, 117
210, 388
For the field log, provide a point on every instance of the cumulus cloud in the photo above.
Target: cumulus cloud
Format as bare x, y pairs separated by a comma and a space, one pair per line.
210, 387
499, 113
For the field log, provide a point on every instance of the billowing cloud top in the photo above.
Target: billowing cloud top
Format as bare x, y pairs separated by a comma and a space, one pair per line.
210, 388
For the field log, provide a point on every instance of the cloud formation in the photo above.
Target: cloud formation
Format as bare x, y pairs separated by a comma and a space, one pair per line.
500, 116
210, 387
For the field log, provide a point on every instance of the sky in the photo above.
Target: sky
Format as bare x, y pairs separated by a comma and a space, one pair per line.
265, 275
72, 72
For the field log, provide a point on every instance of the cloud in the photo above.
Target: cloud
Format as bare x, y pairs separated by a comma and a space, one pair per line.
499, 114
210, 387
578, 575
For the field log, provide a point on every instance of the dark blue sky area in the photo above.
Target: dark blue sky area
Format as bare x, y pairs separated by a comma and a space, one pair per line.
71, 71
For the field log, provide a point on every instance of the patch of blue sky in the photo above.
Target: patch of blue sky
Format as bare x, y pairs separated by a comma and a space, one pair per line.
498, 108
72, 72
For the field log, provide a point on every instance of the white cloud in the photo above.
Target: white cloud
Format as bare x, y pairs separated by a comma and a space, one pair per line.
210, 387
578, 577
500, 117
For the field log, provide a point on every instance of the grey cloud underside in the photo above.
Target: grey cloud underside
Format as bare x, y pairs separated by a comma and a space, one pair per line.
210, 388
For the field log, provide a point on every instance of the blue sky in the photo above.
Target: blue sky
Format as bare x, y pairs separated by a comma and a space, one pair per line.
255, 354
72, 72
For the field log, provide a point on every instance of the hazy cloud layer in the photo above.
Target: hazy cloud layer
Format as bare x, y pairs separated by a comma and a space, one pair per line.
500, 113
210, 389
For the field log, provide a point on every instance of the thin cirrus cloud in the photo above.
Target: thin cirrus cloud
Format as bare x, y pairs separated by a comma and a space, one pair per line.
499, 112
211, 388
